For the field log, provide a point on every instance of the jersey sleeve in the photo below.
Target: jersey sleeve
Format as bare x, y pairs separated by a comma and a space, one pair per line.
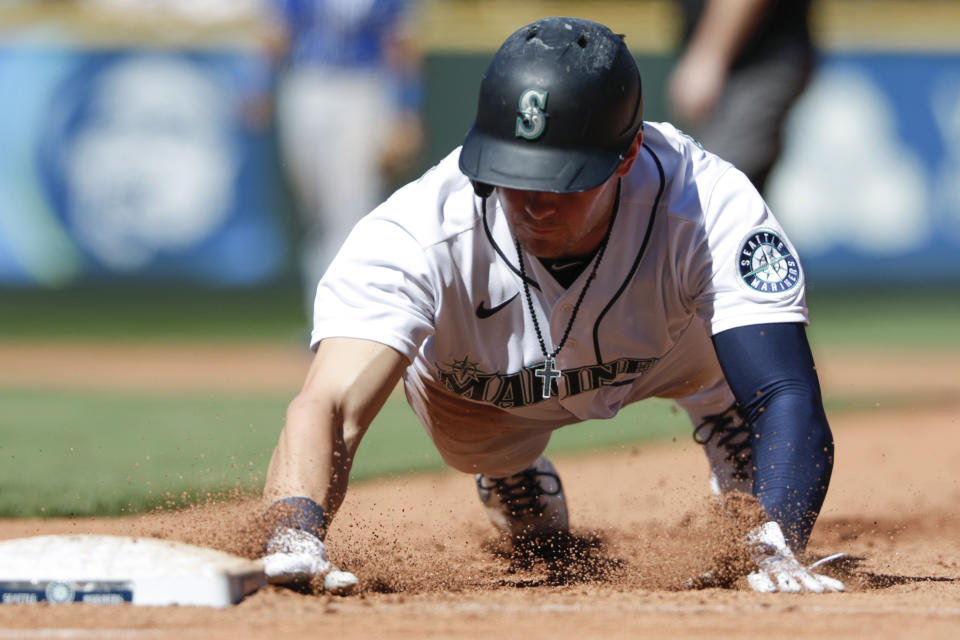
771, 372
377, 288
743, 270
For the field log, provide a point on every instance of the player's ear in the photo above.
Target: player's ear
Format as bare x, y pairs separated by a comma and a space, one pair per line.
627, 163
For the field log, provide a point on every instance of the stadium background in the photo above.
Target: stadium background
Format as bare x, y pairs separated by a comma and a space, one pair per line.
152, 333
151, 330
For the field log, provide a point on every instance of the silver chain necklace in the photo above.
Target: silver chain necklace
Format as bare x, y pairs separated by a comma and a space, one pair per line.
547, 370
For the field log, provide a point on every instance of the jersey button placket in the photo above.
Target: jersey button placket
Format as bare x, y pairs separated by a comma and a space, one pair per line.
558, 324
563, 317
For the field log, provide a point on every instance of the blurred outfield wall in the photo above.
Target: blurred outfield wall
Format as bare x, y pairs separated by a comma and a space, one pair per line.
131, 148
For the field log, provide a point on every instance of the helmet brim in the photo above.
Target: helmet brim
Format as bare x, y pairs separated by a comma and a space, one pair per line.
517, 164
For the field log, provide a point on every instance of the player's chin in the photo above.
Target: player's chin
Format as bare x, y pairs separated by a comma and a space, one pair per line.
544, 245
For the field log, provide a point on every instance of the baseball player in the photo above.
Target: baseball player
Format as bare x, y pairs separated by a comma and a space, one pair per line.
348, 98
567, 260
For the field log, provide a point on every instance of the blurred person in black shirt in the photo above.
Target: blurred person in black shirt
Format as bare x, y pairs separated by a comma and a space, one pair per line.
742, 65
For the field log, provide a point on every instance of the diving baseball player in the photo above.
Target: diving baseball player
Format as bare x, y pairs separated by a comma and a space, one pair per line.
567, 260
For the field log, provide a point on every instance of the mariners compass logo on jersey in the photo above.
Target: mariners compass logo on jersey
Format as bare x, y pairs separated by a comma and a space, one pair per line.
766, 264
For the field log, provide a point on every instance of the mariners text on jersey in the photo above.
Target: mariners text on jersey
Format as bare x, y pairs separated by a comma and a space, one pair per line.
517, 389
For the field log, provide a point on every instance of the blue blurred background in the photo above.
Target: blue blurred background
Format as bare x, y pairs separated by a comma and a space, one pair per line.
135, 146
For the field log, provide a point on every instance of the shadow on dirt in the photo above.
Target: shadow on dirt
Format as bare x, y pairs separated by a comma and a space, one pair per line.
849, 569
561, 559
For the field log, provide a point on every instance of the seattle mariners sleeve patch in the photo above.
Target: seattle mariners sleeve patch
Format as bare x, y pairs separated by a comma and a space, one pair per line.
766, 264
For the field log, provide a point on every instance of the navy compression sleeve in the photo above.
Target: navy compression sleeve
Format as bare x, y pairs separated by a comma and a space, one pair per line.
770, 369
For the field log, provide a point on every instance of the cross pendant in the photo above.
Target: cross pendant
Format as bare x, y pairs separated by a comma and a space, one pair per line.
548, 373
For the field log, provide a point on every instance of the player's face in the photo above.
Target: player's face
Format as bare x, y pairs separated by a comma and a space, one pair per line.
560, 225
557, 225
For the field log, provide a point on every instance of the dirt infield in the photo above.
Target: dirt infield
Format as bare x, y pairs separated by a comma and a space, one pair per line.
643, 524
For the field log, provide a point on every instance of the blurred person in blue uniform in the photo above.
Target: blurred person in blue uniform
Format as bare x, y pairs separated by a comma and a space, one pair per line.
742, 65
348, 113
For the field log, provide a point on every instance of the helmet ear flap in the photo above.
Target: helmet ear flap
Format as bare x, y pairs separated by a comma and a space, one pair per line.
482, 189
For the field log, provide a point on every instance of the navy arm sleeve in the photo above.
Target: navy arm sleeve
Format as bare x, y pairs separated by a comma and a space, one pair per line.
770, 369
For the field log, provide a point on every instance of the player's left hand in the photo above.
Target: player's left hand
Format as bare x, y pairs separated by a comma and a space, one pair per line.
294, 555
779, 570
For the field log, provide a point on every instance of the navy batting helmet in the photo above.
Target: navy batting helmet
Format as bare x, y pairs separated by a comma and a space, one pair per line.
559, 106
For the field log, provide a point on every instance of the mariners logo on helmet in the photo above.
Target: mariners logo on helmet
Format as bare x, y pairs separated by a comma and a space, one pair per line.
766, 264
531, 119
595, 111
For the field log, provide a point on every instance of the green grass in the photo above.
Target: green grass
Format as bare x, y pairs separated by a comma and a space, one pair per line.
86, 453
72, 453
914, 318
896, 318
97, 453
80, 453
154, 313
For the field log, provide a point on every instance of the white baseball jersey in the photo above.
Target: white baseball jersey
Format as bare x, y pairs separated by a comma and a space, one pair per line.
434, 273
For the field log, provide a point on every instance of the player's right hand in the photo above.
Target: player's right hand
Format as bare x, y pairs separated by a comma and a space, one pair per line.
778, 569
296, 556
